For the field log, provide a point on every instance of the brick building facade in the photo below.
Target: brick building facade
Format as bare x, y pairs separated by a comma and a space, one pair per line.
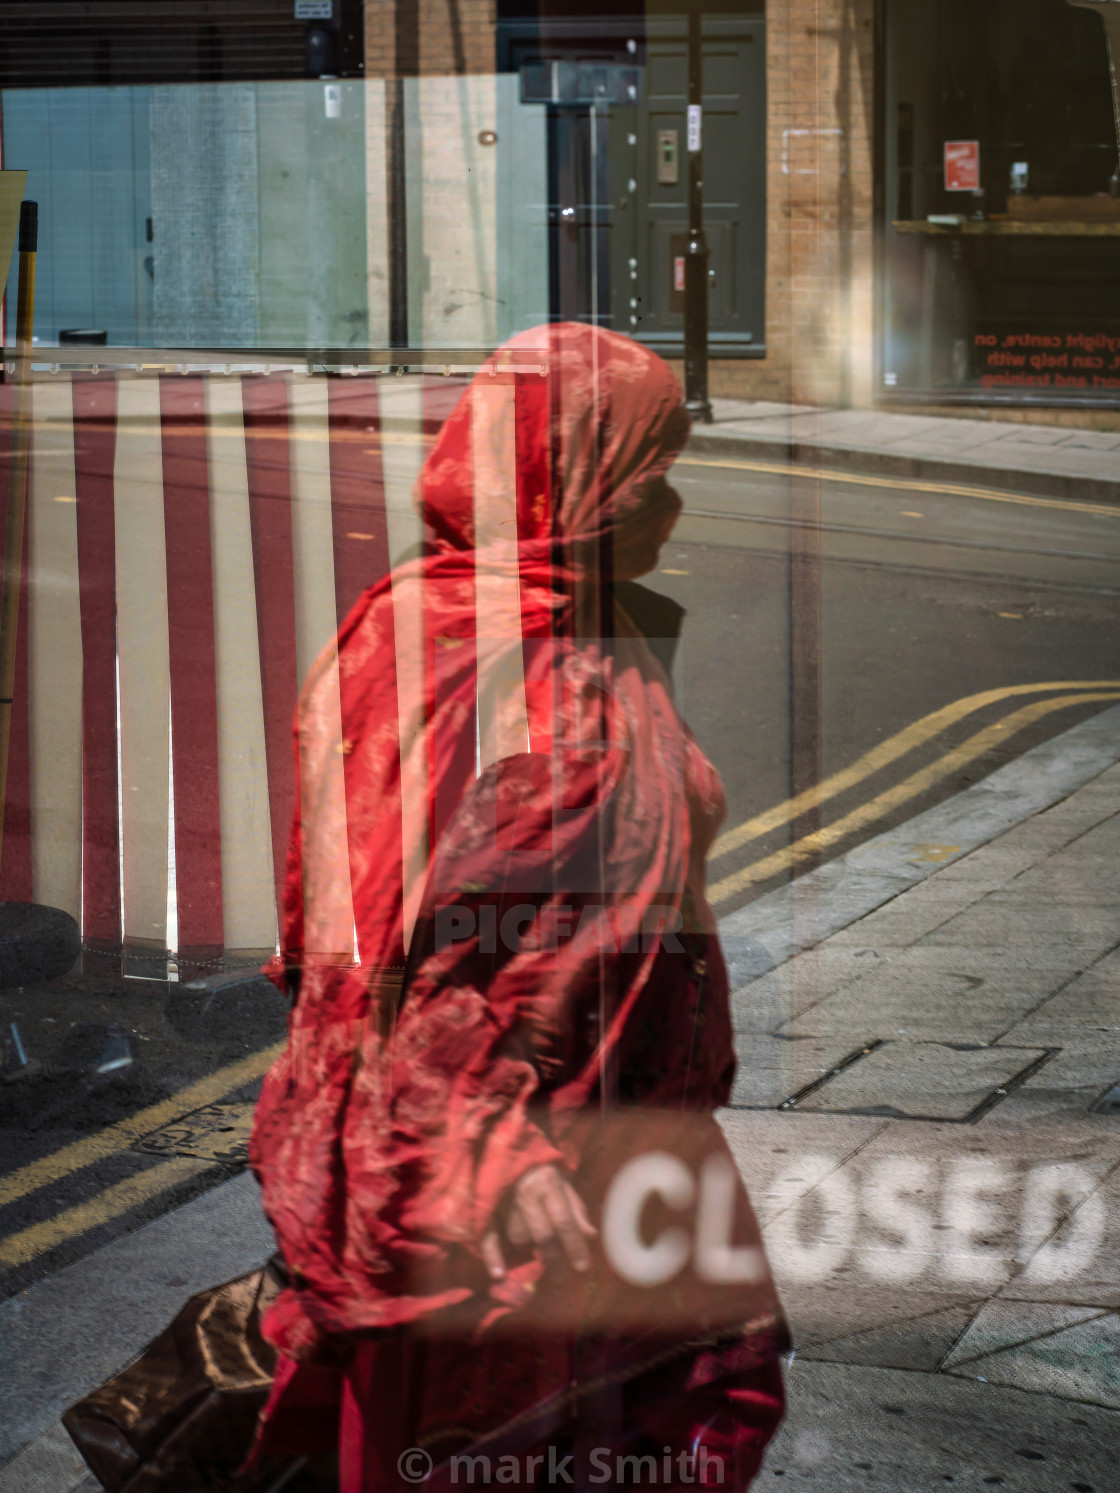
847, 267
429, 38
820, 90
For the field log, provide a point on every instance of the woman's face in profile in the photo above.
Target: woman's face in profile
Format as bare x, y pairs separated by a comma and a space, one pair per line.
638, 540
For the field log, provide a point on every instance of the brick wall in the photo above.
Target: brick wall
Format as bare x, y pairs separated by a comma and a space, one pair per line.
820, 83
436, 37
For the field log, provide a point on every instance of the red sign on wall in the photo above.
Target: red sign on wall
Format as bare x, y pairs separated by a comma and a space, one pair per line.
962, 165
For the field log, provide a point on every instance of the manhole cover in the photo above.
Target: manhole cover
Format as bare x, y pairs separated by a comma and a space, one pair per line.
220, 1132
924, 1080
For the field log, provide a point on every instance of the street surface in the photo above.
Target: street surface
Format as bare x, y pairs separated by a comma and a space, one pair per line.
978, 624
929, 596
939, 1201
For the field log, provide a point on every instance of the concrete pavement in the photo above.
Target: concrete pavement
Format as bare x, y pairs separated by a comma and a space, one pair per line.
929, 1030
1055, 460
937, 1167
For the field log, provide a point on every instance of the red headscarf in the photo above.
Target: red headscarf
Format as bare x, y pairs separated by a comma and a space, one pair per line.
487, 730
595, 419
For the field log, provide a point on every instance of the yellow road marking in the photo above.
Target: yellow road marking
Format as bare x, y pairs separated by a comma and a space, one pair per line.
124, 1132
877, 808
883, 755
945, 489
17, 1249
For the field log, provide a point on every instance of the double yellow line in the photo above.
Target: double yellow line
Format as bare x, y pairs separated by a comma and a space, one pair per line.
19, 1248
809, 847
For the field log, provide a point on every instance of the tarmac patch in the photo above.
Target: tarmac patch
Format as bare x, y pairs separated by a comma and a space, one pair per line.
219, 1132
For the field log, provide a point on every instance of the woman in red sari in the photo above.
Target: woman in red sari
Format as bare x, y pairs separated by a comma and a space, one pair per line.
512, 1226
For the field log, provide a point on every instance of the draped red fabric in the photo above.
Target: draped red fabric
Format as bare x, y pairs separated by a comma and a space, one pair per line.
499, 804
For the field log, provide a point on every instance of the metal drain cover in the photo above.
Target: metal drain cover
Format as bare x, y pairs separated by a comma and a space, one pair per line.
924, 1080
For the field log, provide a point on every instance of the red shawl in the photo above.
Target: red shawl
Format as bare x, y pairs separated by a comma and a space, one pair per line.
496, 787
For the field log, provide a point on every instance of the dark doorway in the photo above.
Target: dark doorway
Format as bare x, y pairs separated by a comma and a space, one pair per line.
615, 90
590, 78
734, 182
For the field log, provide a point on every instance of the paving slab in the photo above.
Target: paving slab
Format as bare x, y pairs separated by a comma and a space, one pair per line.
995, 864
797, 985
49, 1464
1083, 931
1046, 1104
922, 1080
1093, 440
783, 1156
939, 993
1090, 1003
1053, 459
1066, 878
956, 1209
1032, 1104
1104, 833
774, 1069
920, 1341
1087, 1244
1079, 1363
851, 1427
1086, 1061
1002, 1324
847, 1309
756, 409
1037, 435
910, 917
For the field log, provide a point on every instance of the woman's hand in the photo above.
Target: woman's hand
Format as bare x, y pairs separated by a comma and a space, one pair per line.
546, 1212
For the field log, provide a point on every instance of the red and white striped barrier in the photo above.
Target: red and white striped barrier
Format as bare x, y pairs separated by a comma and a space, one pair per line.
193, 541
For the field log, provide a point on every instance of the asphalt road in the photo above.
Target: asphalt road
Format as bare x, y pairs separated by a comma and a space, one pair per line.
927, 598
